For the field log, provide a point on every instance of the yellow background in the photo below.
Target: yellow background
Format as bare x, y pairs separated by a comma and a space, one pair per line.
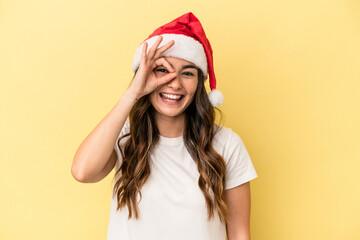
290, 73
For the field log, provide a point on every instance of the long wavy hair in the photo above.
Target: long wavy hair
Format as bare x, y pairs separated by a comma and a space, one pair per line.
199, 131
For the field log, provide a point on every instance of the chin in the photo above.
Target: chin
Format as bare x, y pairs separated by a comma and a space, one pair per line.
169, 111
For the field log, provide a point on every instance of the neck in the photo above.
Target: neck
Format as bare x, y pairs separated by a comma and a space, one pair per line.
170, 127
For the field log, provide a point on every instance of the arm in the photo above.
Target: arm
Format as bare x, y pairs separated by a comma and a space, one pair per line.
238, 202
96, 157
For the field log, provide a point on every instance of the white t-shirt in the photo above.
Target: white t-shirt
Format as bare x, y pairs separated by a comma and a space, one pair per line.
172, 205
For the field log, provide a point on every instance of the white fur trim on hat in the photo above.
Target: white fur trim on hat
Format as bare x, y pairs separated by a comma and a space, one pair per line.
185, 47
216, 97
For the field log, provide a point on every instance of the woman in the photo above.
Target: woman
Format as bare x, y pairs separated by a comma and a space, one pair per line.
178, 174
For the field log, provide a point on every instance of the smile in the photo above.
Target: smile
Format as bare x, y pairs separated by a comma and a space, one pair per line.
171, 98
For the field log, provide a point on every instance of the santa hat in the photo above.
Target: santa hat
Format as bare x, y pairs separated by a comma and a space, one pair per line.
191, 44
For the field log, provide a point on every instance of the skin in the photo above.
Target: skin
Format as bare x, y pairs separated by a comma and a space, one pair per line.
170, 117
170, 121
95, 157
167, 74
157, 75
239, 203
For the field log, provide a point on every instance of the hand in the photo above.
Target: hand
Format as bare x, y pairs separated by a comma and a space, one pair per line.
145, 80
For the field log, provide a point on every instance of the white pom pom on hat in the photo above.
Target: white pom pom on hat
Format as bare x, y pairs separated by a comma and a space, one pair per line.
216, 97
191, 44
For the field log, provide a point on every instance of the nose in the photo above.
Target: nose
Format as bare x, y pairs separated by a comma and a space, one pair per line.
175, 83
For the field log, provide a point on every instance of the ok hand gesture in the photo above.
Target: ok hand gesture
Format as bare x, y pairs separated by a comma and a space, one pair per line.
145, 80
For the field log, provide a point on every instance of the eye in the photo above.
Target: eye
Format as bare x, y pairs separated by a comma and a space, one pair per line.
188, 73
163, 70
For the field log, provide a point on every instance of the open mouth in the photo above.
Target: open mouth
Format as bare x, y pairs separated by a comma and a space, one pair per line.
171, 97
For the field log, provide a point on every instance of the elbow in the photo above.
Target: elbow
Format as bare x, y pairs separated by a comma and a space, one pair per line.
78, 175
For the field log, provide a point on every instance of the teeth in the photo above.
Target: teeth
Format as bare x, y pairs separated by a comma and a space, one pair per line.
168, 100
173, 97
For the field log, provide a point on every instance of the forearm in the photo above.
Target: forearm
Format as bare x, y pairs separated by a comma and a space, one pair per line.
95, 150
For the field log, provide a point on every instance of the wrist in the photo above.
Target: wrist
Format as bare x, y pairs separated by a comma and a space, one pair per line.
128, 94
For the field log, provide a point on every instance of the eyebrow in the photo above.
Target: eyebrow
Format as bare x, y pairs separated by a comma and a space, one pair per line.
189, 66
185, 66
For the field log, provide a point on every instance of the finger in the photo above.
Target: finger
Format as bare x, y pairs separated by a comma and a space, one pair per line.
165, 63
152, 50
166, 78
162, 49
143, 52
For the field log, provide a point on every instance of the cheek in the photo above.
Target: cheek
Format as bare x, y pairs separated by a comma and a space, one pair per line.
152, 98
191, 87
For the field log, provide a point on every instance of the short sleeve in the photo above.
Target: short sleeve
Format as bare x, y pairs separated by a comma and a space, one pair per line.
124, 130
239, 167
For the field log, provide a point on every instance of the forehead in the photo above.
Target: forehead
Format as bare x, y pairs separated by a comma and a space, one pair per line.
178, 61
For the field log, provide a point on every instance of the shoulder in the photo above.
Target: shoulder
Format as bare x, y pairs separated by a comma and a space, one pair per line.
120, 144
224, 135
226, 141
125, 130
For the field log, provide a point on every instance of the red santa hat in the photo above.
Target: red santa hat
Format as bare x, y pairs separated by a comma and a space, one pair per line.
191, 44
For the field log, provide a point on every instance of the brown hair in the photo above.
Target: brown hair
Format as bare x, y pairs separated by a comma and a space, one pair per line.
199, 131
